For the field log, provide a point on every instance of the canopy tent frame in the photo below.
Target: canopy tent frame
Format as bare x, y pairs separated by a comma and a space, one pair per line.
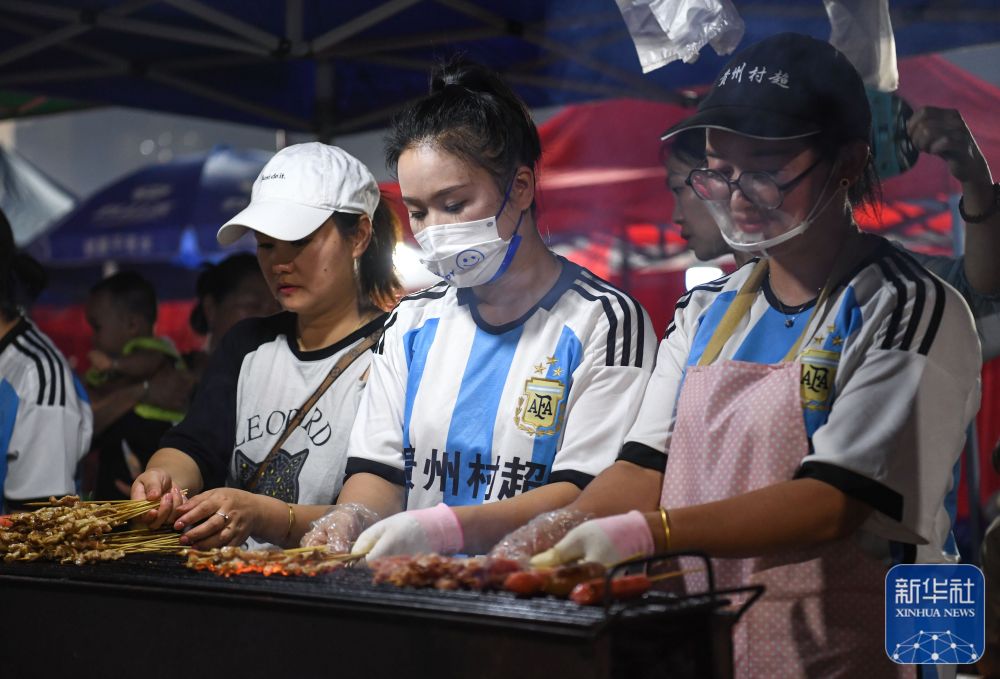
247, 44
206, 58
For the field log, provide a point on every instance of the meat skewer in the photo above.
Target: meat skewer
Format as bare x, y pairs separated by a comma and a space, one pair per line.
556, 581
583, 583
229, 561
592, 592
443, 572
69, 530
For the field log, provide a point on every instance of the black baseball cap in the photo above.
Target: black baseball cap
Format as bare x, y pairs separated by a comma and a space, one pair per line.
787, 86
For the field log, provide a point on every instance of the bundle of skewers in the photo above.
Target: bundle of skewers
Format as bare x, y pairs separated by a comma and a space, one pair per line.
229, 561
71, 530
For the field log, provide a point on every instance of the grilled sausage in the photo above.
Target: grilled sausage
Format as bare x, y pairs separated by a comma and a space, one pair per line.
526, 583
627, 587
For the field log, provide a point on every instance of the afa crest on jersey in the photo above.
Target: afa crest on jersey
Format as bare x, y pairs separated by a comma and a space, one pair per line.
819, 368
539, 408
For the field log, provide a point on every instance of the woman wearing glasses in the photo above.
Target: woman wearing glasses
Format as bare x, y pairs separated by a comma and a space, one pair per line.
805, 412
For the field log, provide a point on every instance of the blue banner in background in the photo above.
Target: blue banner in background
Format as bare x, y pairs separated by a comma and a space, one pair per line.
935, 614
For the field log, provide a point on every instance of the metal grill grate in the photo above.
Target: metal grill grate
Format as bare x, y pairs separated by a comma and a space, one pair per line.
353, 585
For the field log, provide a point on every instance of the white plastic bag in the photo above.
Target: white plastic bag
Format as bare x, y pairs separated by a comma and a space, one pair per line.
667, 30
861, 29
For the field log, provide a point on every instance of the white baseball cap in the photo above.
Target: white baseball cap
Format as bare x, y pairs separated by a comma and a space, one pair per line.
298, 190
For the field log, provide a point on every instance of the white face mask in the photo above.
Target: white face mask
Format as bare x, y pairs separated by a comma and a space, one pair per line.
754, 241
468, 254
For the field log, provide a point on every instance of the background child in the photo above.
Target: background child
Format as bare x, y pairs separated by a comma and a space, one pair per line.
121, 311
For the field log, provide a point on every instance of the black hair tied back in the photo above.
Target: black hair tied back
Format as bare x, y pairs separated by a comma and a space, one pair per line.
460, 73
379, 285
471, 113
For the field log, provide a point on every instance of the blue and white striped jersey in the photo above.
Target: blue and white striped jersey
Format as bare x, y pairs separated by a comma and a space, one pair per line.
45, 417
890, 380
464, 412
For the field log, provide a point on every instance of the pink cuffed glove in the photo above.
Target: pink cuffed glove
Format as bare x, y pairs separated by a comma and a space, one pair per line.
420, 531
607, 541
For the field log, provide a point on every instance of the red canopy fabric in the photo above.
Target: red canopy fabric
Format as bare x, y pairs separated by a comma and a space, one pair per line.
601, 166
934, 81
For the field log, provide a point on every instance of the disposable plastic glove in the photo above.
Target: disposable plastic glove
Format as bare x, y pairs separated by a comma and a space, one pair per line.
339, 527
607, 541
538, 535
420, 531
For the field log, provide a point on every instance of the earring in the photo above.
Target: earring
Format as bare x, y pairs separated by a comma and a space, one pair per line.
845, 182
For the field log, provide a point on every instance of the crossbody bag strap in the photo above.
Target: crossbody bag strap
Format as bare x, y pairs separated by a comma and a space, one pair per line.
336, 371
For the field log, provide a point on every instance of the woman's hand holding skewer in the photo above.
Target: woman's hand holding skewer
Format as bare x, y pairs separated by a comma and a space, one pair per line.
167, 472
156, 484
609, 540
220, 517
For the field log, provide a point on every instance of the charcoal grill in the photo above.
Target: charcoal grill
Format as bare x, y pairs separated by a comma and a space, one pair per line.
149, 616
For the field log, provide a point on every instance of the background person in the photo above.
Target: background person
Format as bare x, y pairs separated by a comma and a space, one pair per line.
680, 155
45, 418
121, 311
324, 243
227, 293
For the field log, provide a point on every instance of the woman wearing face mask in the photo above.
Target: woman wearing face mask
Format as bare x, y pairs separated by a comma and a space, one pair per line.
683, 153
263, 447
805, 412
502, 391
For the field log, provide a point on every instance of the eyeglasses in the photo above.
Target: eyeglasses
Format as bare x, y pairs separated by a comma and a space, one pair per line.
760, 188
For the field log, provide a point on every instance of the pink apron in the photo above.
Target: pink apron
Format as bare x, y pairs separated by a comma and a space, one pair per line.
740, 427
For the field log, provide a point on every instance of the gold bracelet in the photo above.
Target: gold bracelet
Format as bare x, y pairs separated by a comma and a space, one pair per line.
666, 529
291, 522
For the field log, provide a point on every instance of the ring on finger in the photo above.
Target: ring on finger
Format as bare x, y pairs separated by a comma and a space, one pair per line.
225, 517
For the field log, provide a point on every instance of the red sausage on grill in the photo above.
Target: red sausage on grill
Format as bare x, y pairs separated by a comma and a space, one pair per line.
526, 583
558, 582
626, 587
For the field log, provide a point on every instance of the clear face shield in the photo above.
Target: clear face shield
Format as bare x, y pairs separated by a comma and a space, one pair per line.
757, 222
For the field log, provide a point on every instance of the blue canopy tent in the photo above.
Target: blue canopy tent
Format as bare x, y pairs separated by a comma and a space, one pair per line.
160, 220
337, 67
167, 212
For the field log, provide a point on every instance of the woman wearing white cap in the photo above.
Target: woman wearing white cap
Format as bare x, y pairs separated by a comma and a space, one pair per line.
805, 412
263, 447
502, 391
